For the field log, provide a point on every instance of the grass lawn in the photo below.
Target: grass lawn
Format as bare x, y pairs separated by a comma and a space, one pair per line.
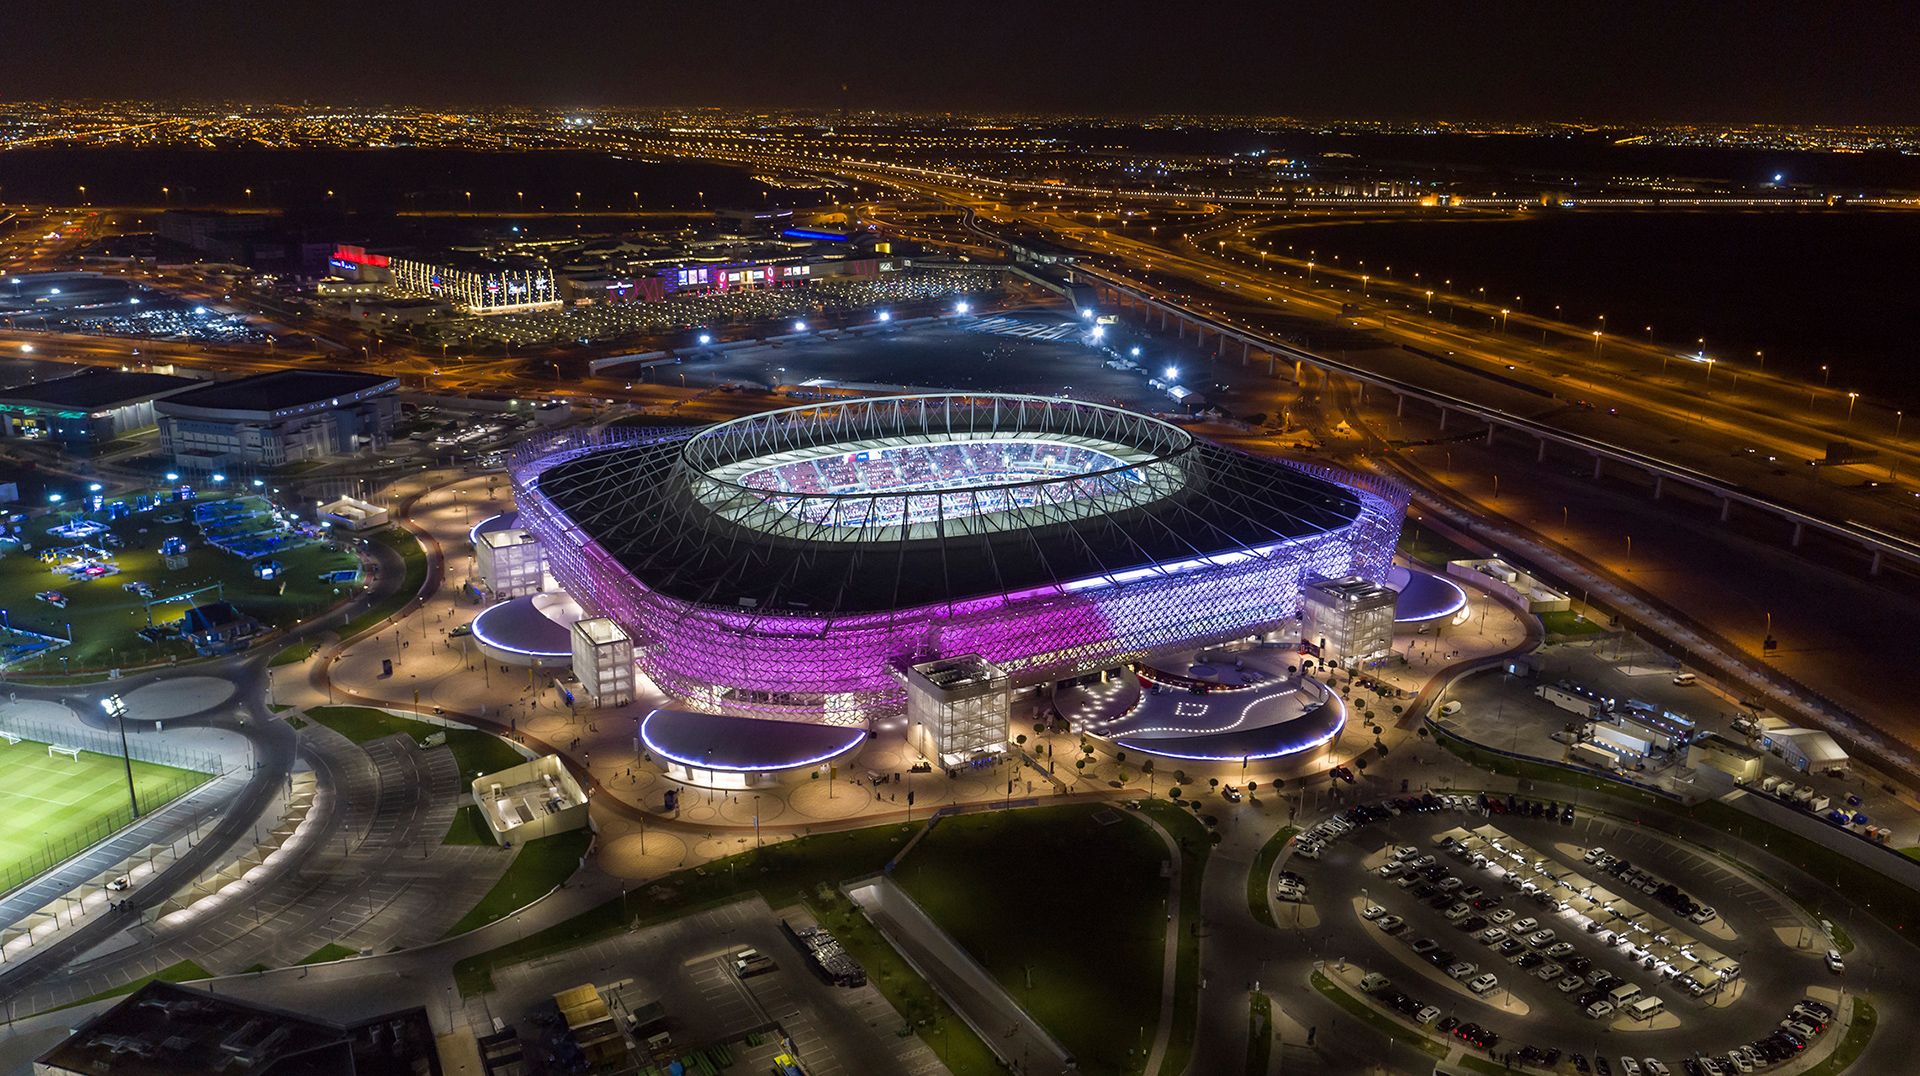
1257, 901
184, 972
328, 953
1570, 624
540, 865
468, 828
1380, 1022
295, 654
403, 542
1075, 933
475, 751
105, 616
797, 870
1430, 547
1195, 844
52, 807
1859, 1030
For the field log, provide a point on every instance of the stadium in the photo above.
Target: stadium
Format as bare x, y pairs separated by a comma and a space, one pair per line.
794, 564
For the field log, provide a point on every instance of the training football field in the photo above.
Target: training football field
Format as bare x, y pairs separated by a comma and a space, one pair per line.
53, 807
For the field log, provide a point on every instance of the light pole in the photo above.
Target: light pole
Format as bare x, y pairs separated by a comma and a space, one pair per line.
116, 708
1852, 398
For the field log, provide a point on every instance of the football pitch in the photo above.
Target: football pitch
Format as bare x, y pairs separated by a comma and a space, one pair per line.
51, 807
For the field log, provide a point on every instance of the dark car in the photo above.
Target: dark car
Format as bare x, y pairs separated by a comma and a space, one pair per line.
1447, 1024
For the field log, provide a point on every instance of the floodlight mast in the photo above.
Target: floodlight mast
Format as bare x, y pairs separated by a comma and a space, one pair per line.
116, 708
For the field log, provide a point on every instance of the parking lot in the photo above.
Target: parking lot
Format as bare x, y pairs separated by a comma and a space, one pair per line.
687, 966
1514, 928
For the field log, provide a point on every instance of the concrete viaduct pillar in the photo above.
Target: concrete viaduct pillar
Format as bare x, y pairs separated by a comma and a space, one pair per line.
1799, 532
1873, 568
1541, 456
1246, 352
1598, 463
1400, 408
1490, 428
1443, 418
1658, 482
1726, 508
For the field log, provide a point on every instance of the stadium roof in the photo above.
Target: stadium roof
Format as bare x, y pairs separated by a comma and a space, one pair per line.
95, 388
650, 511
279, 390
744, 744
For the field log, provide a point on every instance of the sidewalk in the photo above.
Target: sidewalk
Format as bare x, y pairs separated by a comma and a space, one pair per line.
981, 1001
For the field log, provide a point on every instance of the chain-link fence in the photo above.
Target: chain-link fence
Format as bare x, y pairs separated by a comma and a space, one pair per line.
111, 819
108, 743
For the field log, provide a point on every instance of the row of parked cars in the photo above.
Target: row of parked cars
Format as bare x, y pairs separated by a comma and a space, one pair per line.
1651, 884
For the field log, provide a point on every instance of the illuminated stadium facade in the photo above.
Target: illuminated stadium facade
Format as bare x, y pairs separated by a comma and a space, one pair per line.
792, 564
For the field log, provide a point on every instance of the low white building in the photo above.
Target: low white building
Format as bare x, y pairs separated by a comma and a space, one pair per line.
535, 799
603, 661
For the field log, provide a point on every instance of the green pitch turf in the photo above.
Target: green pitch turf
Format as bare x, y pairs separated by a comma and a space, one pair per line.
51, 808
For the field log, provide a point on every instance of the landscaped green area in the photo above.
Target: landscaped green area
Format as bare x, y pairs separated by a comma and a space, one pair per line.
184, 972
538, 867
52, 806
1380, 1022
468, 828
1257, 900
105, 616
295, 654
1430, 547
1190, 835
1076, 934
475, 751
1570, 624
1859, 1030
401, 541
328, 953
802, 870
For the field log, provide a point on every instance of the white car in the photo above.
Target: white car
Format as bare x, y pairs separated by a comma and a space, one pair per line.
1492, 936
1372, 911
1502, 915
1656, 1067
1391, 924
1569, 984
1427, 1015
1290, 891
1307, 851
1526, 926
1834, 963
1703, 914
1483, 983
1600, 1010
1628, 1066
1461, 969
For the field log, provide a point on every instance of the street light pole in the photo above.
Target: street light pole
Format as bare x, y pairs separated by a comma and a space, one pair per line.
116, 708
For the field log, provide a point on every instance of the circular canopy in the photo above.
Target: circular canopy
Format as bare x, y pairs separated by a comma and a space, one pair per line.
535, 630
1426, 596
502, 522
743, 744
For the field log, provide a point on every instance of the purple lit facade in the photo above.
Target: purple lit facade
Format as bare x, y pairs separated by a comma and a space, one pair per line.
838, 668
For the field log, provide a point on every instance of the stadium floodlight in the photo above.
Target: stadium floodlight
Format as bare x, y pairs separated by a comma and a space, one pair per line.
1086, 314
799, 326
257, 483
1172, 372
54, 498
116, 708
886, 315
173, 476
93, 487
1099, 332
200, 310
1136, 351
133, 302
962, 307
218, 477
26, 349
705, 339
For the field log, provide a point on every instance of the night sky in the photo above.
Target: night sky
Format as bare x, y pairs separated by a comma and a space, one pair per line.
1677, 59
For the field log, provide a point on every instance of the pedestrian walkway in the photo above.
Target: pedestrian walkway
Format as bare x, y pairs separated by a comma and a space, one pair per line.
980, 1000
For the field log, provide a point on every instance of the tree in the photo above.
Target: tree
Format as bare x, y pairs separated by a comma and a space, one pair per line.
1213, 782
1119, 756
1423, 732
1021, 739
1147, 768
1174, 793
1360, 764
